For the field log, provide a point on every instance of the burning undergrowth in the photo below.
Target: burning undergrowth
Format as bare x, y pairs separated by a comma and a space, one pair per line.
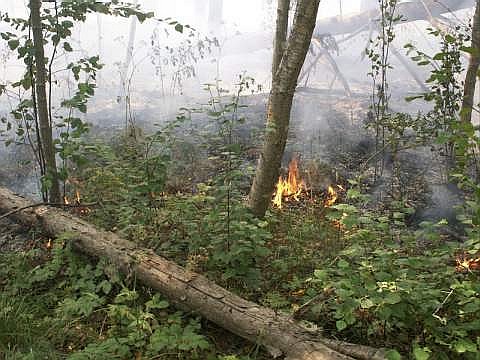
293, 191
330, 134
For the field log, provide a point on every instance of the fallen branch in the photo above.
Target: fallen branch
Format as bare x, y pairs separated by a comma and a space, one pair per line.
14, 211
278, 332
410, 11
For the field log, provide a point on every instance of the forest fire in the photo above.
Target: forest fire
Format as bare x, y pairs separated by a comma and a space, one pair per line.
465, 263
292, 187
289, 188
332, 197
76, 204
76, 200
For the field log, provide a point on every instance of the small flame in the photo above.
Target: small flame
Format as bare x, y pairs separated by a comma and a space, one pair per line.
332, 197
291, 187
464, 263
75, 201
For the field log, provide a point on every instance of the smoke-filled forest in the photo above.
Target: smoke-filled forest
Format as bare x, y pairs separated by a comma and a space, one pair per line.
239, 180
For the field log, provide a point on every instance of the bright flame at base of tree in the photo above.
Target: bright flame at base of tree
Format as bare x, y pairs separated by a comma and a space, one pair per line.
291, 187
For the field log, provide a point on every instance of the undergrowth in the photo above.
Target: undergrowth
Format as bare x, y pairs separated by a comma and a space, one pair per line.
357, 271
56, 304
366, 276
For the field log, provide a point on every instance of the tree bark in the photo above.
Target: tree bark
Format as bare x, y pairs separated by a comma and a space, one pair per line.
278, 332
280, 105
46, 134
472, 72
280, 34
411, 11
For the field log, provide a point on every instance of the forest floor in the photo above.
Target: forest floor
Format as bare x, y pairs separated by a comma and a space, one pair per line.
358, 267
13, 237
38, 279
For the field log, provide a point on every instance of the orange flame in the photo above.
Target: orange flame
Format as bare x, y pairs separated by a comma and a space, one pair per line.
332, 197
75, 201
291, 187
464, 263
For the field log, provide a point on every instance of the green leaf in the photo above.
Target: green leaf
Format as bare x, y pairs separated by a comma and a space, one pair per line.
156, 303
393, 355
465, 345
341, 325
392, 298
179, 28
67, 47
449, 39
13, 44
421, 353
366, 303
320, 274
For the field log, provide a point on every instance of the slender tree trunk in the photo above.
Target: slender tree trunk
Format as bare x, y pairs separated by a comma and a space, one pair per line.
280, 34
280, 101
46, 135
472, 72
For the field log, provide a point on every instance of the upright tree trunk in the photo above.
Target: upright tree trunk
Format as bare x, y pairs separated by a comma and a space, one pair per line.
280, 34
46, 135
472, 72
280, 101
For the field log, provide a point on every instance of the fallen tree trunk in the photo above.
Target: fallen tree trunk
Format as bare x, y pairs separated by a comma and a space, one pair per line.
279, 333
411, 11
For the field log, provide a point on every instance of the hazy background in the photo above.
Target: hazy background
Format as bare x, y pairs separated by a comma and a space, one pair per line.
244, 35
169, 71
244, 38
